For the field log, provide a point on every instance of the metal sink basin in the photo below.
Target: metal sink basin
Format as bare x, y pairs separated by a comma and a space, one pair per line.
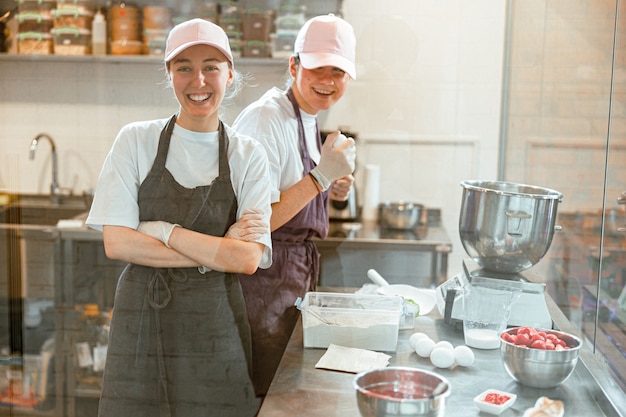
38, 209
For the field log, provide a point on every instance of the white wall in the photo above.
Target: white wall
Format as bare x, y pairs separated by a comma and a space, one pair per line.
427, 98
426, 104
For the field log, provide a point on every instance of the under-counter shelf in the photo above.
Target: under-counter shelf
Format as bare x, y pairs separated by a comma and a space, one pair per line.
418, 257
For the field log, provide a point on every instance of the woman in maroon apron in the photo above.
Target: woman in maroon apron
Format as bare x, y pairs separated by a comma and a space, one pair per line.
180, 340
321, 68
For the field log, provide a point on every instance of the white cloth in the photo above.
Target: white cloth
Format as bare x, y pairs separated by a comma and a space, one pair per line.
193, 161
353, 360
271, 121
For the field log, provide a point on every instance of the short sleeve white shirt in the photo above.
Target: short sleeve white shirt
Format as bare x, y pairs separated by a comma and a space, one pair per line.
193, 161
271, 120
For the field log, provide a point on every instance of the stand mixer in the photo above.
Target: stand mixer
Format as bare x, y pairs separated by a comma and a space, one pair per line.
505, 228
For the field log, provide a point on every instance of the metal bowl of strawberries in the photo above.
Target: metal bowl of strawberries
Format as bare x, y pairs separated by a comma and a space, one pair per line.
539, 358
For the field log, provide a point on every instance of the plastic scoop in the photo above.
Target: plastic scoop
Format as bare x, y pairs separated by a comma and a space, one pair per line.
424, 299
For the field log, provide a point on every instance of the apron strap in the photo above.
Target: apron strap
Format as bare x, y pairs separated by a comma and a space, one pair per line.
164, 143
307, 162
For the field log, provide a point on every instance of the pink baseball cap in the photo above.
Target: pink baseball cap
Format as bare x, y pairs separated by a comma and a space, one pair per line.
327, 40
197, 32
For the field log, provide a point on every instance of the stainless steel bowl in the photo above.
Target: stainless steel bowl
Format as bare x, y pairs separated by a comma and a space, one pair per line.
507, 227
400, 391
400, 215
540, 368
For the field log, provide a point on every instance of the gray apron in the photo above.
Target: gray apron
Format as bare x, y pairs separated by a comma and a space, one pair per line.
180, 341
270, 293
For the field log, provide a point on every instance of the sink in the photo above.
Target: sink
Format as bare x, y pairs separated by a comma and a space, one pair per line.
39, 209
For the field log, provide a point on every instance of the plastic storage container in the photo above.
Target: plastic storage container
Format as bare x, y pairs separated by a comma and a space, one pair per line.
154, 41
72, 41
256, 49
73, 18
289, 24
37, 6
82, 5
34, 22
362, 321
126, 47
157, 17
257, 25
34, 43
124, 25
282, 44
18, 380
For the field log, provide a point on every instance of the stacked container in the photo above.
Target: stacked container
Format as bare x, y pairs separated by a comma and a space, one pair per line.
125, 30
256, 33
207, 10
157, 22
72, 27
230, 20
289, 20
35, 22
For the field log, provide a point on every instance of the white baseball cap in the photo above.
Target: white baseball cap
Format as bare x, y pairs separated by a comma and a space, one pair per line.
327, 40
197, 32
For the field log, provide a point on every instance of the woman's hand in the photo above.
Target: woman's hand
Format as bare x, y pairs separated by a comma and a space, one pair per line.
250, 227
340, 190
157, 229
335, 161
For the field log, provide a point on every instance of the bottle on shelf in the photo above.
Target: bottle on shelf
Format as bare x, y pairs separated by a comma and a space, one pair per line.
102, 344
88, 357
99, 34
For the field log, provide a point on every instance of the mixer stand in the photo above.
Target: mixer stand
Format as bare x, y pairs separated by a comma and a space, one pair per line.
530, 308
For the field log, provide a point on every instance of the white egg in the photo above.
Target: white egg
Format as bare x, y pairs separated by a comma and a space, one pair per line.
445, 344
463, 355
442, 357
415, 337
424, 347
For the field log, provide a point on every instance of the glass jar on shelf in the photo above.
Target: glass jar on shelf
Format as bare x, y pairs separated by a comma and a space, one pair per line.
91, 344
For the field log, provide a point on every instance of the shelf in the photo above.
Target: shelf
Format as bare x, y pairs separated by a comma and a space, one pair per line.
87, 392
128, 59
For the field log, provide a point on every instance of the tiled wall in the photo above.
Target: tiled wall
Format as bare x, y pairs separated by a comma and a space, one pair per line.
560, 98
425, 109
426, 105
426, 102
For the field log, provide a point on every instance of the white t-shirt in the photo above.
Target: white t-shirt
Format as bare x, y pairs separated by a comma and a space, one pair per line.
193, 161
272, 121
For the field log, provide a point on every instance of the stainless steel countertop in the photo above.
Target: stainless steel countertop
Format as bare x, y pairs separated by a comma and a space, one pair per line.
299, 389
368, 232
431, 237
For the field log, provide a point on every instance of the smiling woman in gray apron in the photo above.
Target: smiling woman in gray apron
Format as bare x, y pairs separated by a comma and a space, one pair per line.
303, 173
186, 202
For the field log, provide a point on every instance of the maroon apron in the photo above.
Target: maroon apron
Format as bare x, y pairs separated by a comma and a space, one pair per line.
270, 293
180, 341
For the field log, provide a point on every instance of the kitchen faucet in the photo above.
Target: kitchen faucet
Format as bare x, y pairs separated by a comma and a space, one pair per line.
55, 189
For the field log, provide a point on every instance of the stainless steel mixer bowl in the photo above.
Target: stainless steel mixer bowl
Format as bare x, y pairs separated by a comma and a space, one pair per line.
507, 227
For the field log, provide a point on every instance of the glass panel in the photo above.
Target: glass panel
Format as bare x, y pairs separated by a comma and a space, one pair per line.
611, 292
561, 83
